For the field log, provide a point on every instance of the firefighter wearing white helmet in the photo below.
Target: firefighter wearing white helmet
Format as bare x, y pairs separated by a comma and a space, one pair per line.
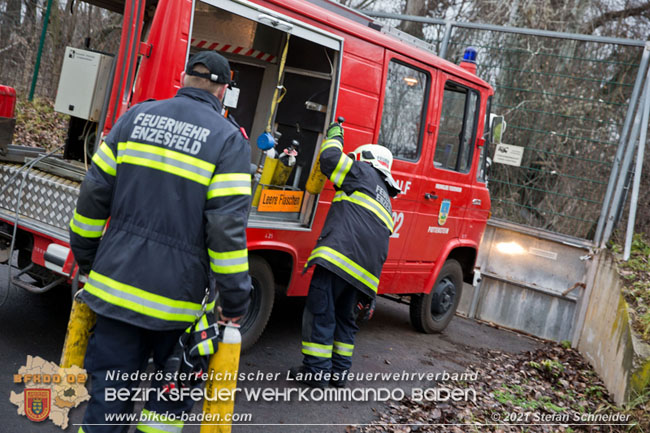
379, 157
348, 257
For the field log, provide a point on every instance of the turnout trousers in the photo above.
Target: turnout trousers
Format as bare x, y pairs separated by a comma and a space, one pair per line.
116, 352
329, 323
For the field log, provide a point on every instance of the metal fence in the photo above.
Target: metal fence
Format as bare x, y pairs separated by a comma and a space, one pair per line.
565, 98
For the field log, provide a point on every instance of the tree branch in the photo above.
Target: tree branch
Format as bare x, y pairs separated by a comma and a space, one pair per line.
599, 21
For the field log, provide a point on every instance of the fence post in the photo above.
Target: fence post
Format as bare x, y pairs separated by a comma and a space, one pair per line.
46, 20
445, 40
598, 238
626, 164
645, 109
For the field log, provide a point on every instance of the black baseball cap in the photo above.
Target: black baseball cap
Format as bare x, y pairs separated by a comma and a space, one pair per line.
216, 63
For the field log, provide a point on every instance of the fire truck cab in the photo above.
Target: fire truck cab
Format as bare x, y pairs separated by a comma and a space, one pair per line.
297, 65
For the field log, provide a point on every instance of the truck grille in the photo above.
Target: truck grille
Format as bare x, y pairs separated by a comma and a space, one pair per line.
46, 198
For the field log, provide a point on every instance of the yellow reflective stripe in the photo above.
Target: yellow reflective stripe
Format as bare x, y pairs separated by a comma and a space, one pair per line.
206, 348
226, 184
141, 301
156, 423
369, 203
87, 227
331, 143
343, 348
345, 345
341, 170
229, 262
80, 430
166, 160
314, 349
345, 264
105, 159
202, 324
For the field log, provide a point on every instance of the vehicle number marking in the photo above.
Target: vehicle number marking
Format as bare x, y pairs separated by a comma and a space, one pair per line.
398, 220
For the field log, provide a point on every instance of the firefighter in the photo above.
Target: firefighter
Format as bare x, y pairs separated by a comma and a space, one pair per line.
174, 178
348, 257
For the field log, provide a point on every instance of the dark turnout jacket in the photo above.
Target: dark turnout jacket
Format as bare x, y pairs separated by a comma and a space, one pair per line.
173, 177
354, 241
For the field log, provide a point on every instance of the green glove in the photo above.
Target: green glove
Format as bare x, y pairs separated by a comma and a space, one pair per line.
335, 130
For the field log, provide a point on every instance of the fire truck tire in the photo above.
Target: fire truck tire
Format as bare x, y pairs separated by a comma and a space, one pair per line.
432, 312
262, 296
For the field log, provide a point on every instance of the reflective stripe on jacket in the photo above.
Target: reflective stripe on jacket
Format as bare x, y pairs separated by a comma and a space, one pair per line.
354, 240
174, 178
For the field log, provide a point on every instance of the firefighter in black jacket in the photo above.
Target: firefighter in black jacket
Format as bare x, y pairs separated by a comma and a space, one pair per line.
174, 178
349, 255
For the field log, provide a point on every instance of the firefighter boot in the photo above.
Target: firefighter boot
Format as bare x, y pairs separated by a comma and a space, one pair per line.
302, 374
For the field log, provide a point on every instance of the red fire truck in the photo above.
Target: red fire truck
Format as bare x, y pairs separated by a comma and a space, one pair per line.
297, 65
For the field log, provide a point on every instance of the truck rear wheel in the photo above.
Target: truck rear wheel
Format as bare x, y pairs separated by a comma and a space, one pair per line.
262, 296
431, 313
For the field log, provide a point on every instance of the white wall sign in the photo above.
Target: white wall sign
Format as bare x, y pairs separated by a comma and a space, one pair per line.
508, 154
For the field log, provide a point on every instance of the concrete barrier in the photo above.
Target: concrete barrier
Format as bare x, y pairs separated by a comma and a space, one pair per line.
621, 360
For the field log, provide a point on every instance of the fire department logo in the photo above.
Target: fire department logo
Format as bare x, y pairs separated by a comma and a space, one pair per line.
444, 212
37, 404
50, 391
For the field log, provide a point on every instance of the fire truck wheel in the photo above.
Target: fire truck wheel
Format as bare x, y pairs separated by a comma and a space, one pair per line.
262, 295
431, 313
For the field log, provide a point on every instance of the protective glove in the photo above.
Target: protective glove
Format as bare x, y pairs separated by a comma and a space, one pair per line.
335, 130
366, 307
191, 355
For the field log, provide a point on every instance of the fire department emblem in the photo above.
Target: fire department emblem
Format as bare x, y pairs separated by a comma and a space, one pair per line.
37, 404
444, 212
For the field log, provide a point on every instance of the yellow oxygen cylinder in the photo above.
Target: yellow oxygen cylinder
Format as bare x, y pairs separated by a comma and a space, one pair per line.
316, 180
268, 171
281, 174
81, 321
222, 382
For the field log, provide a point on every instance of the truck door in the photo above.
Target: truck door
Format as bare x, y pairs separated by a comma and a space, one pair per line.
286, 73
478, 209
406, 100
446, 186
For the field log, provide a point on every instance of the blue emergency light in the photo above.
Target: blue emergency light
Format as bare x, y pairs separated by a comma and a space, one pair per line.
469, 55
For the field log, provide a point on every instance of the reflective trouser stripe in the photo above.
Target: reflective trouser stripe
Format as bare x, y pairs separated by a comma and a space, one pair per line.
87, 227
347, 265
166, 160
343, 348
314, 349
342, 168
227, 184
105, 159
229, 262
331, 143
158, 424
368, 203
141, 301
205, 347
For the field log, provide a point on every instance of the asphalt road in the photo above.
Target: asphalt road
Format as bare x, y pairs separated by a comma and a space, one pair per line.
35, 325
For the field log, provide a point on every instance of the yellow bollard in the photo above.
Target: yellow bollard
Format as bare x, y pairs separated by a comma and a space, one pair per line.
82, 319
224, 365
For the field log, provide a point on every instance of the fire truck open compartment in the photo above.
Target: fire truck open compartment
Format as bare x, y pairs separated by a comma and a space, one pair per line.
255, 40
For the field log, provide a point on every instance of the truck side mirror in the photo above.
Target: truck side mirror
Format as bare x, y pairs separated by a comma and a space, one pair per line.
497, 127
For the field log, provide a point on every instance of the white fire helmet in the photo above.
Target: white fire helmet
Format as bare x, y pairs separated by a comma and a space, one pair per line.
381, 158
